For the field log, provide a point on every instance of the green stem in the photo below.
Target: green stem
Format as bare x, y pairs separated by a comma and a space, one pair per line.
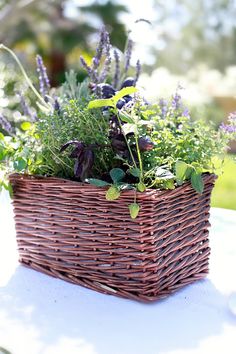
130, 151
139, 158
59, 159
2, 46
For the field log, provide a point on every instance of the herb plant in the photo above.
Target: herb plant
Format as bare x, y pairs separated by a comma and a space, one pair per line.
103, 132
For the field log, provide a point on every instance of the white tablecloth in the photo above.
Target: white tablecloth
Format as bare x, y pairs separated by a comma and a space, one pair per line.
43, 315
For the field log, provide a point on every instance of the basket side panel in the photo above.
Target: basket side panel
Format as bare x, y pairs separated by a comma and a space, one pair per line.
181, 237
70, 231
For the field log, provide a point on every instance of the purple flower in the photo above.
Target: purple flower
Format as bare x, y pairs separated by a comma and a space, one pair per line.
26, 108
103, 47
5, 124
117, 69
90, 71
163, 106
228, 128
231, 127
44, 83
128, 54
95, 62
100, 48
138, 70
186, 112
107, 64
176, 101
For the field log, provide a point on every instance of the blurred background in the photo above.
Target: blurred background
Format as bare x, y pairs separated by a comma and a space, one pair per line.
191, 43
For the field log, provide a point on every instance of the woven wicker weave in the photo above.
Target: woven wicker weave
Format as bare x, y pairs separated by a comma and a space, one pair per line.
69, 230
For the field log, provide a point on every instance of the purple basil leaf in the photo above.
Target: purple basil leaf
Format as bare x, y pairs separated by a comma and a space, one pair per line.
87, 164
71, 142
77, 151
78, 169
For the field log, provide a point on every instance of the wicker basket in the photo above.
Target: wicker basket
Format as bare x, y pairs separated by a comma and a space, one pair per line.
69, 230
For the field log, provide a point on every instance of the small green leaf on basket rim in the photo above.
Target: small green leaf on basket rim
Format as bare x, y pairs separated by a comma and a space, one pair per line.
180, 171
135, 172
97, 182
197, 182
141, 187
112, 193
20, 164
134, 210
117, 174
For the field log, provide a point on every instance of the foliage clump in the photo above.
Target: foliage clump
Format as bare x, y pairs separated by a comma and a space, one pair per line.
103, 131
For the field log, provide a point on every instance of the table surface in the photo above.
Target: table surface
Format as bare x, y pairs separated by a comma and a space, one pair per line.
43, 315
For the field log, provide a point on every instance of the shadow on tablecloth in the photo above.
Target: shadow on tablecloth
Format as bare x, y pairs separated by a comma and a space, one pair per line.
43, 315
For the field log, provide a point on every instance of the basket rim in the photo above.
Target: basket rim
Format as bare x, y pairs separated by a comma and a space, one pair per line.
207, 177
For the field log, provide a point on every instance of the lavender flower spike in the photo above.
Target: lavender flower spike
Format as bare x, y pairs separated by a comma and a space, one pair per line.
138, 71
5, 124
228, 128
163, 106
91, 73
43, 77
25, 107
100, 48
107, 64
117, 69
128, 54
176, 101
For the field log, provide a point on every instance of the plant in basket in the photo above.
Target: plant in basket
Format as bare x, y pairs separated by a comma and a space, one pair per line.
110, 191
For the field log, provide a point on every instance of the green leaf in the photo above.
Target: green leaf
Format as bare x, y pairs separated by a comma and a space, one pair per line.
117, 174
101, 103
97, 182
126, 118
1, 136
135, 172
188, 172
180, 171
141, 187
2, 153
20, 164
197, 167
123, 92
134, 210
112, 193
169, 184
25, 126
197, 182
